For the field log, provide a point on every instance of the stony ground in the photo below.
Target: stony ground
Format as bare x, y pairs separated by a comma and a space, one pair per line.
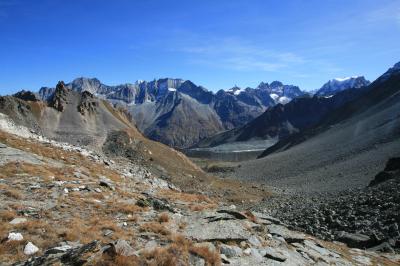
363, 218
65, 205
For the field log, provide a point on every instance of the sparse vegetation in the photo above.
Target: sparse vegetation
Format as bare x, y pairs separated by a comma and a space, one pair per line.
163, 217
155, 228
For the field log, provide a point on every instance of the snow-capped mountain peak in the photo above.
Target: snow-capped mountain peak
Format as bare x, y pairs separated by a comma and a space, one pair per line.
235, 90
346, 78
336, 85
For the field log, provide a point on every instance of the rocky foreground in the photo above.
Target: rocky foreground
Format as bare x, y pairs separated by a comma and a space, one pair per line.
65, 205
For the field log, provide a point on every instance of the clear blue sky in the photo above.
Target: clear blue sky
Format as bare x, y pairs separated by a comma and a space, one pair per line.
214, 43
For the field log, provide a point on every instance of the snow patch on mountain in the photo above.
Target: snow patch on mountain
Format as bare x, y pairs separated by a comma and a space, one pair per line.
284, 100
235, 90
336, 85
274, 96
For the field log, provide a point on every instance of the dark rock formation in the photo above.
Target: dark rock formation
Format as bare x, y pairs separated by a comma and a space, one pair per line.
88, 103
59, 98
27, 96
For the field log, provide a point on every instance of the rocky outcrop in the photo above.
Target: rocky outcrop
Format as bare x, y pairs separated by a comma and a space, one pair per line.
27, 96
161, 107
63, 255
59, 98
88, 103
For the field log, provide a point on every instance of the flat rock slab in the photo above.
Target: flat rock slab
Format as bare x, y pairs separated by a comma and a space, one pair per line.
223, 230
266, 219
18, 220
8, 154
288, 235
274, 254
355, 240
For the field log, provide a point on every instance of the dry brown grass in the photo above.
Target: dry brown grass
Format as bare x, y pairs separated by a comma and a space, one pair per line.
34, 226
182, 225
12, 193
7, 215
210, 256
125, 261
133, 218
155, 228
251, 216
11, 251
71, 158
127, 208
165, 256
163, 217
177, 253
118, 260
201, 207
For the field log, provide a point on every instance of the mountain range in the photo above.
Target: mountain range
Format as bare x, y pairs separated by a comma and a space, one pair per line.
179, 113
283, 120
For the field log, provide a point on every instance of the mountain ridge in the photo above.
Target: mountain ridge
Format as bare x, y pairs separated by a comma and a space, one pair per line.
155, 110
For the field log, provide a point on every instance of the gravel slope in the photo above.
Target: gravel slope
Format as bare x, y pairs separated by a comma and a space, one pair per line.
347, 155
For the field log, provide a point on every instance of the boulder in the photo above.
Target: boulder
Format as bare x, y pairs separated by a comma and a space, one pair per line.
355, 240
273, 254
195, 260
230, 251
383, 247
30, 249
254, 241
15, 237
105, 182
119, 247
230, 230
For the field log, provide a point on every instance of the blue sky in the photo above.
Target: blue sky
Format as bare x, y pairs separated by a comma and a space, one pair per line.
214, 43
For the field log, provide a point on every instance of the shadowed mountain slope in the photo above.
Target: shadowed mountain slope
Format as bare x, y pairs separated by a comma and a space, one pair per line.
345, 150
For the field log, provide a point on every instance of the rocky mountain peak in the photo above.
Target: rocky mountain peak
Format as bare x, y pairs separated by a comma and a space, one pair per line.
263, 86
395, 70
235, 90
85, 84
336, 85
276, 84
